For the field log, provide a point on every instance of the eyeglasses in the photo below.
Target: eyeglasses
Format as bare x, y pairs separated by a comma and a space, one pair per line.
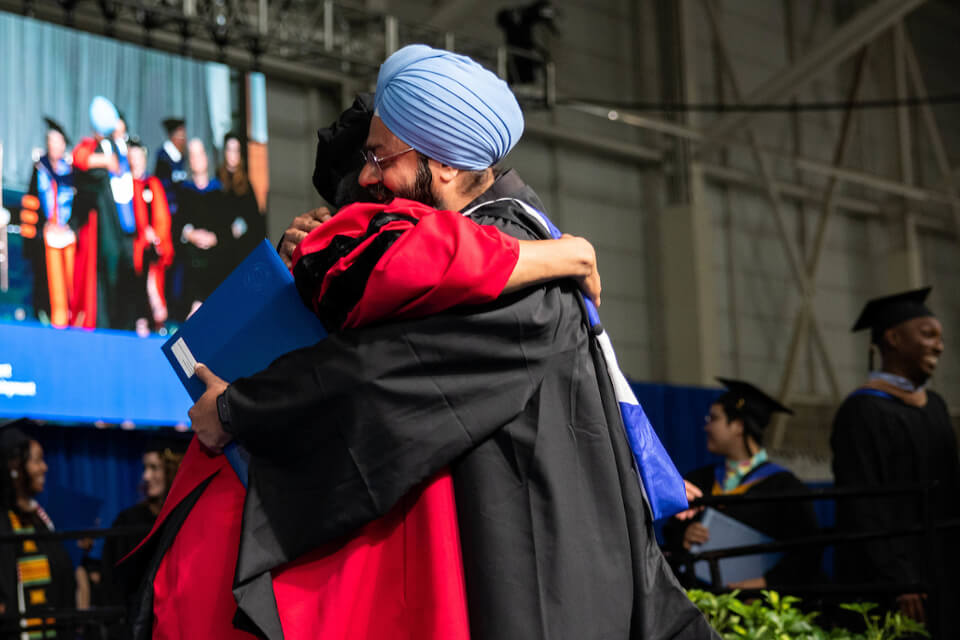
370, 158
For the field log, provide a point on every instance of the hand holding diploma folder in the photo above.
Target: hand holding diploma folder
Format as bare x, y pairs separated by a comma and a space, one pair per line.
726, 532
253, 317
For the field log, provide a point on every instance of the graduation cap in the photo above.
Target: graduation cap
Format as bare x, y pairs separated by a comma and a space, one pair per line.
338, 160
884, 313
166, 444
134, 141
53, 125
13, 437
172, 124
748, 400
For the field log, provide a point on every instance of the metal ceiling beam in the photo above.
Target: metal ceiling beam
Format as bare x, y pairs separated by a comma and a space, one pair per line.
609, 146
87, 18
844, 42
798, 268
852, 176
933, 130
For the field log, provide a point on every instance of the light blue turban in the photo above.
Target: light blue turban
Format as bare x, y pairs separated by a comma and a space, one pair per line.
448, 107
103, 116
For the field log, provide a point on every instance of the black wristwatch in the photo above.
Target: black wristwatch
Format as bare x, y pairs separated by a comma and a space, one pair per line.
223, 412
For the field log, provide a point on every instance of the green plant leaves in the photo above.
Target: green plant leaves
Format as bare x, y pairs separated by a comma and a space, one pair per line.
774, 617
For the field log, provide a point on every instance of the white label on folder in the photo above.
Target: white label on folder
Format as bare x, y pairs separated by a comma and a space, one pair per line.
184, 357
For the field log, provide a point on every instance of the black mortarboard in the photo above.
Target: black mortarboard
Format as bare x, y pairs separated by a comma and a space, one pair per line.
53, 125
338, 162
12, 436
134, 141
747, 399
884, 313
172, 124
161, 444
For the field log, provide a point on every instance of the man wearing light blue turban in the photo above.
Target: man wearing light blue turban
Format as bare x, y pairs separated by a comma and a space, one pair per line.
441, 122
513, 397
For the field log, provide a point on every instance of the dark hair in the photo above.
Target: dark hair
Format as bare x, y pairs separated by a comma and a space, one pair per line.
236, 181
474, 179
8, 486
751, 427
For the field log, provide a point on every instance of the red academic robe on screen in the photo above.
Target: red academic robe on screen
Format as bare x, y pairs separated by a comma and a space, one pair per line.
151, 210
400, 576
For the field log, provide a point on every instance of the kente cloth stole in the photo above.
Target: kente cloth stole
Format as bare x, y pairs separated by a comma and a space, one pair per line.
33, 578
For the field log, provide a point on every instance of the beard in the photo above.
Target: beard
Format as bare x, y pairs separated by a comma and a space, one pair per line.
420, 191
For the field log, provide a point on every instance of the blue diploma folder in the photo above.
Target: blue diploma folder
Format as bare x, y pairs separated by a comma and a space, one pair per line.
726, 532
253, 317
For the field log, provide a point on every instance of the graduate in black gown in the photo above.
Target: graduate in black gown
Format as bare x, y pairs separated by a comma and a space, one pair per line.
735, 427
894, 432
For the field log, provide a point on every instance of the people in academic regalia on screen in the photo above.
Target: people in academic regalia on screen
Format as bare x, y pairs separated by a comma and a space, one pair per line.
99, 236
735, 428
170, 167
126, 302
893, 432
153, 247
248, 226
201, 231
49, 243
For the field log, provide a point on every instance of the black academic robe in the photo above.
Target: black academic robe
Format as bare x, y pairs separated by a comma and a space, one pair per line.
556, 535
879, 441
779, 520
171, 173
203, 269
243, 215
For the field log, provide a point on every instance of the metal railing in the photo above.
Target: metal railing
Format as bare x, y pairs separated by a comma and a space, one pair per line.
932, 582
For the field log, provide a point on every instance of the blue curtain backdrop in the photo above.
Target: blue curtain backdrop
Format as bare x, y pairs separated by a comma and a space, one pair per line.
676, 413
55, 71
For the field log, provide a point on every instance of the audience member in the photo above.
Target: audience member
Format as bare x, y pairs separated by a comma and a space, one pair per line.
161, 460
735, 428
35, 574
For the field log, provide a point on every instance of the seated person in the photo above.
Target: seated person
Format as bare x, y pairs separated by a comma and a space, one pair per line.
35, 574
734, 428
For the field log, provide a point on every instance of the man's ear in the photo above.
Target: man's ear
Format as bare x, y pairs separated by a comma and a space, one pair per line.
893, 337
737, 426
443, 173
